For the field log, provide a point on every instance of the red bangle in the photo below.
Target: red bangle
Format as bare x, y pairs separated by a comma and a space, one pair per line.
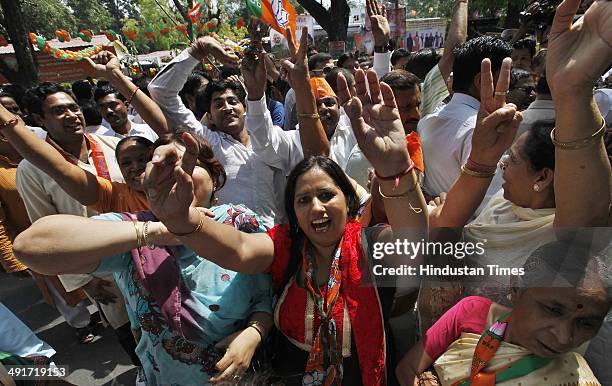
480, 167
396, 177
129, 101
11, 122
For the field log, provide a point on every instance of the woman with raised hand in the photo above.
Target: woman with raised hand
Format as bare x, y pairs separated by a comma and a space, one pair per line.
320, 258
181, 341
544, 171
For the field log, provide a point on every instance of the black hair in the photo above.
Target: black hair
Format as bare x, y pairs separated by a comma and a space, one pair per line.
530, 44
206, 156
315, 59
335, 172
142, 141
101, 92
538, 147
399, 54
567, 263
82, 90
344, 57
204, 100
401, 80
226, 72
142, 82
421, 62
193, 85
91, 113
542, 85
470, 54
35, 96
15, 91
332, 78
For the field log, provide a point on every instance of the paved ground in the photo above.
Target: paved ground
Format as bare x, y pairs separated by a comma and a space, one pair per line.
102, 362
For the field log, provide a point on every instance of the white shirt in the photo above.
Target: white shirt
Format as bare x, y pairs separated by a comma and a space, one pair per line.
283, 149
137, 129
446, 137
250, 181
539, 110
43, 196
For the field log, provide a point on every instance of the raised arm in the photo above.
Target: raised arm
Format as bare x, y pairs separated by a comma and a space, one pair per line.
578, 54
106, 65
48, 246
382, 140
77, 182
164, 88
169, 190
457, 33
496, 126
276, 147
312, 135
382, 33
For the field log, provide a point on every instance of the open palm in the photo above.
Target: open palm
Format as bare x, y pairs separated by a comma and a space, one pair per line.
376, 122
579, 53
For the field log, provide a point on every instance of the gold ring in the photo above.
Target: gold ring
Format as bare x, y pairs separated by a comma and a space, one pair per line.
501, 93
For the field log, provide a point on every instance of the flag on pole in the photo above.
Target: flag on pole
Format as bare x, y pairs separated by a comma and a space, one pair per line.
278, 14
195, 13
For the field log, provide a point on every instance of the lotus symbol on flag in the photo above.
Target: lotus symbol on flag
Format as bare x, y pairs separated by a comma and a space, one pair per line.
281, 16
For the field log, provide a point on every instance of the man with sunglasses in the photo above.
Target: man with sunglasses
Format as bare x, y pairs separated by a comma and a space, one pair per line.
319, 65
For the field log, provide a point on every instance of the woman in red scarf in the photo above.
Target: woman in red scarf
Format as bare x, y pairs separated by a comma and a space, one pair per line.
329, 309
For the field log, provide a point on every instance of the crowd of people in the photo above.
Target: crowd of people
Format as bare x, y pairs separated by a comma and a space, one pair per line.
225, 224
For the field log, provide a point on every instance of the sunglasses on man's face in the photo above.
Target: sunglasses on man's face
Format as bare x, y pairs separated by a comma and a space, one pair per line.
323, 71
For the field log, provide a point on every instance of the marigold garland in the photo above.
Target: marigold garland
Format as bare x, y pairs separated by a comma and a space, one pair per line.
58, 53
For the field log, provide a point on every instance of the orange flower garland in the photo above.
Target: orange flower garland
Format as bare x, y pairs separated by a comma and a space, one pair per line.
58, 53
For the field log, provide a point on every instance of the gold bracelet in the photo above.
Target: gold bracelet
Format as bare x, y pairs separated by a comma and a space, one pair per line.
404, 195
145, 235
197, 228
309, 115
579, 143
474, 173
139, 232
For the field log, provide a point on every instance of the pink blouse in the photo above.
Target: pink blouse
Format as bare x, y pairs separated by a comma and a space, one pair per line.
468, 315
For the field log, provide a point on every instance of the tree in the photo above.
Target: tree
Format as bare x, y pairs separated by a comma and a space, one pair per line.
90, 14
119, 10
334, 20
16, 25
46, 16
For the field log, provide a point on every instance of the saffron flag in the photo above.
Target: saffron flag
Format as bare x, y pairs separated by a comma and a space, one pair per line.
195, 13
278, 14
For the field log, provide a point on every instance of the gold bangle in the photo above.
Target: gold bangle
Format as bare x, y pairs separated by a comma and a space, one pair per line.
474, 173
197, 228
579, 143
309, 115
404, 195
139, 232
145, 235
